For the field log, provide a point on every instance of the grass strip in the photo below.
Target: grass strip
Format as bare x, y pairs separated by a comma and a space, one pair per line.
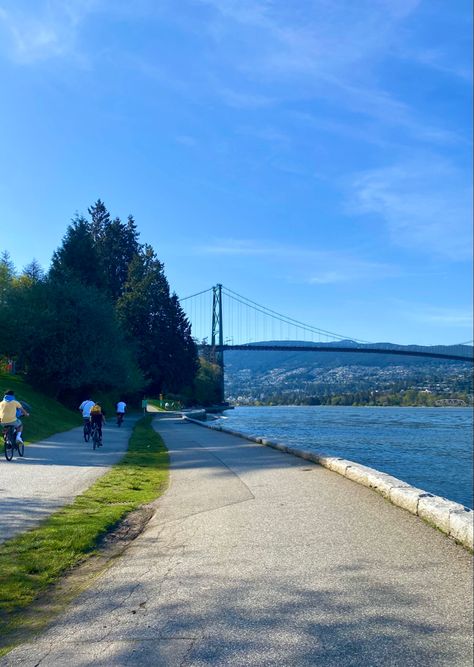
34, 560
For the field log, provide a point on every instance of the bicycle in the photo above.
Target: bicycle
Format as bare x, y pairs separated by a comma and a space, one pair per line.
87, 431
95, 435
119, 419
10, 443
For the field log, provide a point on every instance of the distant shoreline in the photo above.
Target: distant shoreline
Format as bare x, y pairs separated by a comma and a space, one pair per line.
382, 407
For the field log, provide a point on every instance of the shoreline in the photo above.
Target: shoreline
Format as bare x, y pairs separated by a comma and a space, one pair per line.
453, 519
382, 407
431, 450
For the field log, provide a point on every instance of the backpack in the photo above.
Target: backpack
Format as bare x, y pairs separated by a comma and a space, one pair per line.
96, 410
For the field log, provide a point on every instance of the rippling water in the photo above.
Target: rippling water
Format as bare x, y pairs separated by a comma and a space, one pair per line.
430, 448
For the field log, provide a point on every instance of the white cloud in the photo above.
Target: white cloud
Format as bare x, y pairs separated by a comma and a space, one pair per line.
50, 31
425, 204
244, 100
323, 50
186, 140
440, 316
300, 262
238, 247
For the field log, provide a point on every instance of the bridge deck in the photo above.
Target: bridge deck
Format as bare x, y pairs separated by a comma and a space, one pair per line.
258, 558
401, 352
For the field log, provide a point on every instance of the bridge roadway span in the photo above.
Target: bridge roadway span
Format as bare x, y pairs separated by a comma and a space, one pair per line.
257, 558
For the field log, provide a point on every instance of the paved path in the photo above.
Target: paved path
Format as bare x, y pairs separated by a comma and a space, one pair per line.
52, 473
257, 558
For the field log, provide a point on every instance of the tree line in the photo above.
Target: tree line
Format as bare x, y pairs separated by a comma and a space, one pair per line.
410, 397
101, 317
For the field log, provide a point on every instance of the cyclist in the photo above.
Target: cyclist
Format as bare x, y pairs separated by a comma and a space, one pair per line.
9, 409
85, 408
97, 416
121, 409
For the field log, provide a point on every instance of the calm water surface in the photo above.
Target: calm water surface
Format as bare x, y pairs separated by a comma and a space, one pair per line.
430, 448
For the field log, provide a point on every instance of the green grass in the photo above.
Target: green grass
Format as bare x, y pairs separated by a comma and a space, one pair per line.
47, 416
32, 561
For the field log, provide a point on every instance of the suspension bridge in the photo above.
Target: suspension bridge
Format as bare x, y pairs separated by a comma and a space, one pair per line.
253, 327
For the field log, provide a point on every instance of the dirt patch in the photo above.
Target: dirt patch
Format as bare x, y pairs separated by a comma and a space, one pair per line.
116, 540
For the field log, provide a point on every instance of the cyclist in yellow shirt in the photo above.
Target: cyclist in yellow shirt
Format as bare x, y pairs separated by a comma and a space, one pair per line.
98, 418
9, 408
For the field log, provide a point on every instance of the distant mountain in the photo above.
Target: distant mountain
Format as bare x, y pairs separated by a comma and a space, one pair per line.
269, 359
263, 373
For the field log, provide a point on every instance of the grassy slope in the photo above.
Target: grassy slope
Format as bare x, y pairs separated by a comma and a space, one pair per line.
47, 416
30, 562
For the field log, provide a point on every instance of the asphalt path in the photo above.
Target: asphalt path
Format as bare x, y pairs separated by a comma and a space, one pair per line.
258, 558
53, 472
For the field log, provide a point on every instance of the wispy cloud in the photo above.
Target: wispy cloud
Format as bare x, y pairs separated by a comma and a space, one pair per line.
239, 247
50, 30
258, 53
344, 268
244, 100
439, 61
425, 204
303, 264
305, 53
186, 140
450, 317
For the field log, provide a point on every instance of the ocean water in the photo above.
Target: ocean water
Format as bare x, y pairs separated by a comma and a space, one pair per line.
430, 448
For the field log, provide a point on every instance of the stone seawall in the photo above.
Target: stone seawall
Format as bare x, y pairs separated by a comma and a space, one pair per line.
449, 517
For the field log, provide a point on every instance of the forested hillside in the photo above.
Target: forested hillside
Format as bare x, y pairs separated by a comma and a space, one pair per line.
345, 378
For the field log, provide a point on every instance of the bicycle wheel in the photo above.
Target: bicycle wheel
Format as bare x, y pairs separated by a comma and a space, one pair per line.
8, 445
95, 438
21, 448
87, 431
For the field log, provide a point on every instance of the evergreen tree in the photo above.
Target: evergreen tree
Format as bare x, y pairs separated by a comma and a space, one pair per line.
144, 313
207, 383
102, 282
7, 273
116, 247
77, 258
157, 325
183, 356
33, 273
70, 339
8, 321
6, 264
100, 219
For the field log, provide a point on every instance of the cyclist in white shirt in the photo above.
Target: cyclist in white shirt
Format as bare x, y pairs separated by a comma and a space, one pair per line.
85, 408
120, 409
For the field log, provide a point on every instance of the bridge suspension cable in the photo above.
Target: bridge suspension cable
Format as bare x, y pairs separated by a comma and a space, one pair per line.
286, 319
191, 296
245, 327
248, 323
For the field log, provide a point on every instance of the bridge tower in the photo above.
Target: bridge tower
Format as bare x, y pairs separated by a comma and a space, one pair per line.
217, 336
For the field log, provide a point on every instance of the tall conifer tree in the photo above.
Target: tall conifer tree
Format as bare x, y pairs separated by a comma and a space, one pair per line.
77, 258
100, 219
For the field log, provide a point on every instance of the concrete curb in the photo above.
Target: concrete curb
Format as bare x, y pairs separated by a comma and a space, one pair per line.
449, 517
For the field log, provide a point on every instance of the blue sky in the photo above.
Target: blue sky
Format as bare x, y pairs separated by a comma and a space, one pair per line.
314, 156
